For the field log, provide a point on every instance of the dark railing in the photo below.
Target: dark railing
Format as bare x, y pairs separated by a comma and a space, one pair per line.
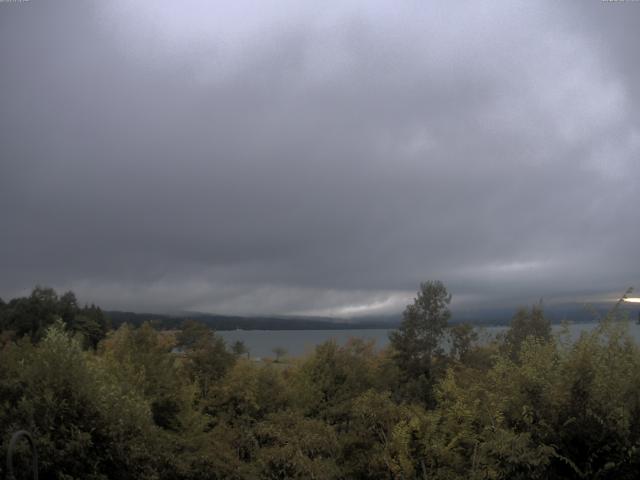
12, 446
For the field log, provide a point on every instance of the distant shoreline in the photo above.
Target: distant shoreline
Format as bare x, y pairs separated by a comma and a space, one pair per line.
231, 323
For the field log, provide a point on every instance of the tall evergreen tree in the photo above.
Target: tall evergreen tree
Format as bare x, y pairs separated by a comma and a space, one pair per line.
416, 341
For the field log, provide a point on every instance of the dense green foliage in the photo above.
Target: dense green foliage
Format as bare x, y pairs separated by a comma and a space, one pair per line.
157, 405
32, 316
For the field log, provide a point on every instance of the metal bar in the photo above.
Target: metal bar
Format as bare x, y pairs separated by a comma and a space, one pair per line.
12, 446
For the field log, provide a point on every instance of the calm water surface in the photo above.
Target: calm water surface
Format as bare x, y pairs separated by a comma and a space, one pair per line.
300, 342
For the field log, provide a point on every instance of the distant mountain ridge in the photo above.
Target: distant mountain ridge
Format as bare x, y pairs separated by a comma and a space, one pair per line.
231, 322
572, 312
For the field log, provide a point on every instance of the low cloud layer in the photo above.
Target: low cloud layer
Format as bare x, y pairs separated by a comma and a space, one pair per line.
278, 157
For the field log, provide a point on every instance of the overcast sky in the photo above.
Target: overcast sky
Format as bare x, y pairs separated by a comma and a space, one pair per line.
320, 158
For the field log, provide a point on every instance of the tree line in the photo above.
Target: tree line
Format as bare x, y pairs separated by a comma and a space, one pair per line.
138, 403
31, 316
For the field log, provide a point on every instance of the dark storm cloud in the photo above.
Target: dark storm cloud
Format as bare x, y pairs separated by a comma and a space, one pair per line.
277, 158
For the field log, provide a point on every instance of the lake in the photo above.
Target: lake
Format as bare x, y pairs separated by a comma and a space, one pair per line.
300, 342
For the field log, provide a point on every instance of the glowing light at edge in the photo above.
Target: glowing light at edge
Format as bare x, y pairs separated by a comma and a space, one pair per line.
632, 300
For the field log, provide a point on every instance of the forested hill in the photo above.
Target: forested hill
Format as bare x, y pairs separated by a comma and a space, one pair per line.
228, 322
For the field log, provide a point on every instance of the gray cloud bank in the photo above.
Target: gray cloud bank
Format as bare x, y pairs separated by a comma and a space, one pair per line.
292, 158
